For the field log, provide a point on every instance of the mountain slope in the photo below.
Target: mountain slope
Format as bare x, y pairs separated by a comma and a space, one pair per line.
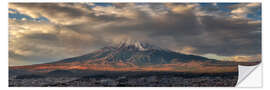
135, 56
137, 53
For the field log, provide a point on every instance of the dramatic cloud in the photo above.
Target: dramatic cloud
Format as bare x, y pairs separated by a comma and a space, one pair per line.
246, 58
242, 10
36, 41
59, 13
72, 29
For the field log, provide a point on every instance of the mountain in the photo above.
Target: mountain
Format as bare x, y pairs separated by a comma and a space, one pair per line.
137, 53
135, 56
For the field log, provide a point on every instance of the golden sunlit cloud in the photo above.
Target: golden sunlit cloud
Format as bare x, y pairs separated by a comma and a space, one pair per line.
246, 58
187, 50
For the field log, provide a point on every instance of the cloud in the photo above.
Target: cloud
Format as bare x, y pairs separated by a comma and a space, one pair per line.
32, 41
237, 58
187, 50
113, 11
181, 8
58, 13
246, 58
11, 12
242, 10
77, 28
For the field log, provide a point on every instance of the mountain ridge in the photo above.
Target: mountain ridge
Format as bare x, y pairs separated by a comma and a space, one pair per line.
135, 50
134, 56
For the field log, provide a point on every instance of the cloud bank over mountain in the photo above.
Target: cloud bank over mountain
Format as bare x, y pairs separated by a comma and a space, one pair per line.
43, 32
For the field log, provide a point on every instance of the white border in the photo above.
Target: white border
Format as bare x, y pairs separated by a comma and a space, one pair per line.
4, 43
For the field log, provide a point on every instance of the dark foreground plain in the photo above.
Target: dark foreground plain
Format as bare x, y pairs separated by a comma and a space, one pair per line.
64, 78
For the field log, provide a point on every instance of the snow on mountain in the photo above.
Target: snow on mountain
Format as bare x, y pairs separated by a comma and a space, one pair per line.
142, 46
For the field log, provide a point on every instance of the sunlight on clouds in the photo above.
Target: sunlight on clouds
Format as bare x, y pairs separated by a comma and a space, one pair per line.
253, 4
187, 50
40, 39
240, 13
57, 13
214, 56
20, 28
74, 29
181, 9
246, 58
25, 10
254, 22
240, 58
23, 52
243, 10
112, 11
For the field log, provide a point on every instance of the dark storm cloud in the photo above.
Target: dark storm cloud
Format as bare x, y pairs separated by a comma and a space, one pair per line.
220, 35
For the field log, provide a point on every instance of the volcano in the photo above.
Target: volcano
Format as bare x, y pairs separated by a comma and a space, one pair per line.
135, 56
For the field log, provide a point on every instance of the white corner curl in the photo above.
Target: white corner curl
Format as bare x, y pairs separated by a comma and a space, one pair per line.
249, 76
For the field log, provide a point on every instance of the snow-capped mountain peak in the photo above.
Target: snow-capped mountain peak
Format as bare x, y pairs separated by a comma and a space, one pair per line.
142, 46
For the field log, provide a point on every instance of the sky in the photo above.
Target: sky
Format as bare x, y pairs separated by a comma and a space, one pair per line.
46, 32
